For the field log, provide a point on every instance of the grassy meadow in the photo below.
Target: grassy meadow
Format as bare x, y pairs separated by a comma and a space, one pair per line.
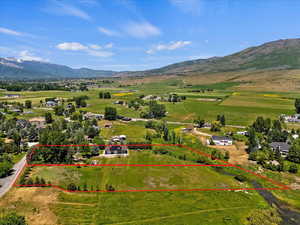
49, 206
191, 207
240, 107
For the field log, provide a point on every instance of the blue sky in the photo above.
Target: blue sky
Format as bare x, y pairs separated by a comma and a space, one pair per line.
140, 34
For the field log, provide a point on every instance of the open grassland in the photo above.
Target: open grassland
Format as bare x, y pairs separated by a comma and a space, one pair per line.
50, 207
135, 131
157, 208
139, 178
240, 107
235, 114
265, 101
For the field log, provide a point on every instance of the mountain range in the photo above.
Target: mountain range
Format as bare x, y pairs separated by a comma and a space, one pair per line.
275, 55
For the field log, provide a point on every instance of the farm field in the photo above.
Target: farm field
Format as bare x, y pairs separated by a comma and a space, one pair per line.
240, 107
50, 207
209, 207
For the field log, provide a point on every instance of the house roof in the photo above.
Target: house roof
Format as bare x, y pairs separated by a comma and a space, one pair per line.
221, 138
280, 145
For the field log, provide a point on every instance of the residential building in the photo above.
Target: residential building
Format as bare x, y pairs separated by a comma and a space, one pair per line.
283, 147
222, 140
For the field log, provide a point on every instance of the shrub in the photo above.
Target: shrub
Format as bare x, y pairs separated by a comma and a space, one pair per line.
240, 178
71, 187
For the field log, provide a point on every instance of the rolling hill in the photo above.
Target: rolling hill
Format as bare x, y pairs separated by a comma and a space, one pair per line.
11, 68
275, 55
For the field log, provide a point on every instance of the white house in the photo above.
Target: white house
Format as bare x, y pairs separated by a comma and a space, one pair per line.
222, 140
291, 119
245, 133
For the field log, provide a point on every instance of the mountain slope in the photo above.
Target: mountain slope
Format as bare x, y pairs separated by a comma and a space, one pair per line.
281, 54
11, 68
275, 55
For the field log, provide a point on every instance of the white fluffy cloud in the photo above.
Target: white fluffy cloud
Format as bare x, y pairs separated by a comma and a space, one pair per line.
72, 46
10, 32
92, 49
171, 46
27, 56
141, 30
97, 47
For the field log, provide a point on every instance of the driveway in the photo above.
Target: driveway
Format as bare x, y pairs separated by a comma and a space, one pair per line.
7, 182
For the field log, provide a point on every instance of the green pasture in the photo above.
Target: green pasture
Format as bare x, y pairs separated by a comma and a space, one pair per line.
191, 207
161, 208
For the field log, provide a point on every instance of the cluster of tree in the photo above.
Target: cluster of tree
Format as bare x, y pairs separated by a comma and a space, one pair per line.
30, 86
80, 101
16, 105
5, 165
199, 122
163, 132
136, 103
221, 119
294, 152
261, 134
268, 130
154, 110
104, 95
62, 132
110, 113
12, 219
17, 130
176, 98
34, 182
297, 105
218, 124
84, 187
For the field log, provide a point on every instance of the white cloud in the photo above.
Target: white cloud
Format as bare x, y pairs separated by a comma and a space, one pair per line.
61, 8
171, 46
108, 32
27, 56
72, 46
94, 46
188, 6
10, 32
92, 49
97, 47
141, 30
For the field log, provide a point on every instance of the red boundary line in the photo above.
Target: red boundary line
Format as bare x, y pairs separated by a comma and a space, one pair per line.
279, 185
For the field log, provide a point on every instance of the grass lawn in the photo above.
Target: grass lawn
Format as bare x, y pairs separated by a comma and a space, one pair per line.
188, 110
157, 208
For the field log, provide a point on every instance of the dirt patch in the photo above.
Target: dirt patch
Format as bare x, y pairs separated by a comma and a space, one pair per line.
189, 116
237, 153
296, 185
33, 203
208, 99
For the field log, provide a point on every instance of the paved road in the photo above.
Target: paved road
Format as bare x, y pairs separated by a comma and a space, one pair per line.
7, 182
